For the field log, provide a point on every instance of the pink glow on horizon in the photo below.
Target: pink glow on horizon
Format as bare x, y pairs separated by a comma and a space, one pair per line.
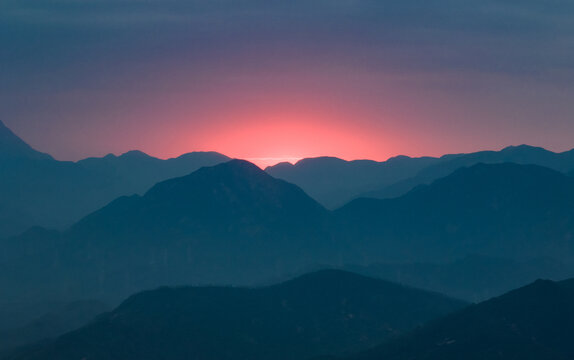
292, 116
271, 139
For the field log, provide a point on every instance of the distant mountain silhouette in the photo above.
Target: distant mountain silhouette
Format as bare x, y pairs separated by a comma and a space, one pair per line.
13, 148
326, 312
447, 164
64, 318
533, 322
37, 190
334, 182
501, 210
235, 193
230, 223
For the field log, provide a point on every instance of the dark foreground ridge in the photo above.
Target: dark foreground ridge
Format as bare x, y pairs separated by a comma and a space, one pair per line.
326, 312
533, 322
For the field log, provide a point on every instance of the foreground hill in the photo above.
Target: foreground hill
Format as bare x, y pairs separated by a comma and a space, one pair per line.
230, 223
500, 210
533, 322
326, 312
37, 190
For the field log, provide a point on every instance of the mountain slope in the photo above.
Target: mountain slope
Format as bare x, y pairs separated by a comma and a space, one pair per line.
235, 191
472, 278
230, 223
333, 181
533, 322
327, 312
37, 190
13, 148
501, 210
61, 320
447, 164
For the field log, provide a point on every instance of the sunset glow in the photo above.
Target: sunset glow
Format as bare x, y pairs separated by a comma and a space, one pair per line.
282, 82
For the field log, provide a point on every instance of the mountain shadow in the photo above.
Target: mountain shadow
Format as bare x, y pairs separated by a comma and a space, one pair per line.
326, 312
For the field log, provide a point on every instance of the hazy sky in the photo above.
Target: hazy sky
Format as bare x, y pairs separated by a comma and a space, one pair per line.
287, 79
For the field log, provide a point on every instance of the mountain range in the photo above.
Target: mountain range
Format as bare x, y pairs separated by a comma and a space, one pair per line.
227, 224
500, 210
37, 190
235, 224
334, 182
325, 315
325, 312
470, 226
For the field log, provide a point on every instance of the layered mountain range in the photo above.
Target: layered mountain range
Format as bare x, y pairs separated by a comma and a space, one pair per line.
234, 223
325, 312
334, 182
325, 315
37, 190
471, 226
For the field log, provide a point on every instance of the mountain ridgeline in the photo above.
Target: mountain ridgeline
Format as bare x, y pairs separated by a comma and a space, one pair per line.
334, 182
471, 226
13, 149
235, 224
60, 319
500, 210
473, 277
321, 313
534, 322
227, 224
37, 190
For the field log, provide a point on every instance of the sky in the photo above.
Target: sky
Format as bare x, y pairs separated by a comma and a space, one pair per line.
271, 80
